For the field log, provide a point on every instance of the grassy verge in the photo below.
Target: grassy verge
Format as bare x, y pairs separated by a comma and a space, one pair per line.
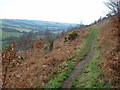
65, 68
90, 75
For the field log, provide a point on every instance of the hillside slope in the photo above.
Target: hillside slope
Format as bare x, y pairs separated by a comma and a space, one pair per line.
38, 65
21, 25
40, 68
109, 40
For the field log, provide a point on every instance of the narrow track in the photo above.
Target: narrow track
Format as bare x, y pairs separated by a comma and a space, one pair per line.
67, 83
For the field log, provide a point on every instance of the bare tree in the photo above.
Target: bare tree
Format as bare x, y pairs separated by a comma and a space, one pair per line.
49, 38
114, 6
48, 35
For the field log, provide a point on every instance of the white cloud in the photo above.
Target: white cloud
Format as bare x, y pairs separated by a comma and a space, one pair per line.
54, 10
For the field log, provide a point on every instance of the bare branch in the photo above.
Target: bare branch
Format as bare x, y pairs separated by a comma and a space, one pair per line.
114, 6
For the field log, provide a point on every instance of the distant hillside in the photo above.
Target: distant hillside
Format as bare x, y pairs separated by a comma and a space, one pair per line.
17, 27
21, 25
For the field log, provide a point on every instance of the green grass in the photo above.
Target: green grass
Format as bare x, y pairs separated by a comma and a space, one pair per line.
8, 34
57, 77
4, 35
57, 80
18, 29
89, 76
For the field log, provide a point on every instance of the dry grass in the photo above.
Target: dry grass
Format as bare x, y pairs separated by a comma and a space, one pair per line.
109, 41
37, 65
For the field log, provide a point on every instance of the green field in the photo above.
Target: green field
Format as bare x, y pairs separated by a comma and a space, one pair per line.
4, 34
18, 29
34, 25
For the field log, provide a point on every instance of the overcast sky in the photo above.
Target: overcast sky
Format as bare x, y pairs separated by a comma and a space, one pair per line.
72, 11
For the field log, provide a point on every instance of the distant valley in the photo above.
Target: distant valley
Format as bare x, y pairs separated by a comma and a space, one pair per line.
18, 27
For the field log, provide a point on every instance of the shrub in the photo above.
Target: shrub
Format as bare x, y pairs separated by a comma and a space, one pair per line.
38, 43
51, 42
49, 46
8, 55
72, 35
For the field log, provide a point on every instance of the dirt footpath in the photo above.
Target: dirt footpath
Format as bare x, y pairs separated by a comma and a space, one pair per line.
67, 83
